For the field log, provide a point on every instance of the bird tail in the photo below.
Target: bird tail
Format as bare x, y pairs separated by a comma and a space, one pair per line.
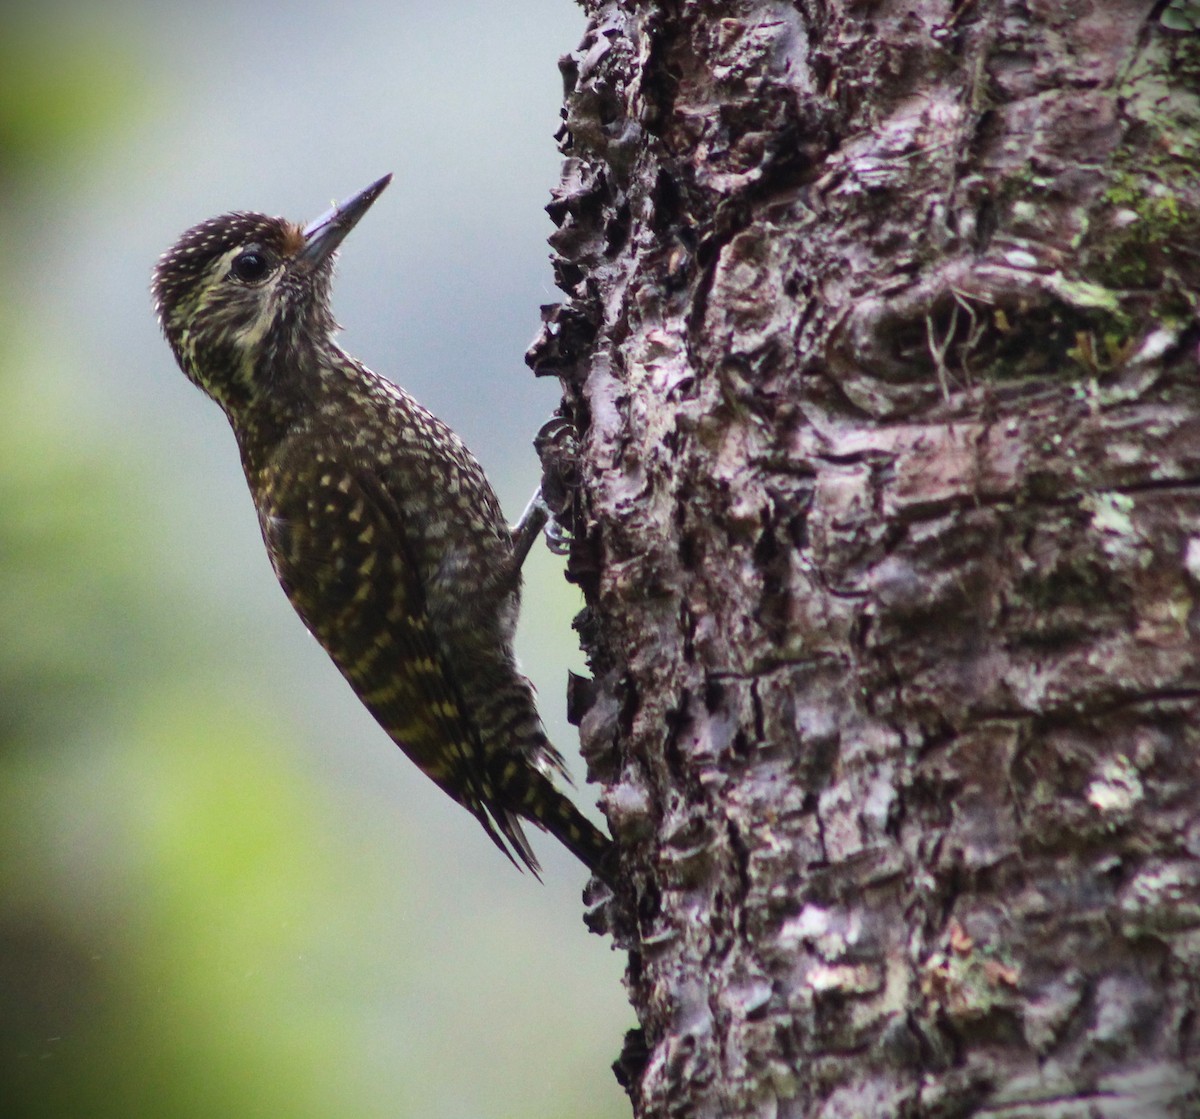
518, 791
529, 793
522, 781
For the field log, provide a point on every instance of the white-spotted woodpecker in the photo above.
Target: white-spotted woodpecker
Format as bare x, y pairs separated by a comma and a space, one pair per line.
381, 526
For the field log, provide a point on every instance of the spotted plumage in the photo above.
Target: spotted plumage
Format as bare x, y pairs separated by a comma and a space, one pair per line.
382, 528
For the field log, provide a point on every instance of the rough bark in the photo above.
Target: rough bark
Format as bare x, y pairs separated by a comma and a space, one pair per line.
881, 450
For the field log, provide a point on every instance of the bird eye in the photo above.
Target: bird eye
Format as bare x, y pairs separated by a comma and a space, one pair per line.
251, 267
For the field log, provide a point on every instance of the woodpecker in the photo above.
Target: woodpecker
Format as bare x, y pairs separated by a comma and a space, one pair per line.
381, 527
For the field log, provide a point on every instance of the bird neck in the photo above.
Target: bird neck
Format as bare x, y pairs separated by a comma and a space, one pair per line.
286, 395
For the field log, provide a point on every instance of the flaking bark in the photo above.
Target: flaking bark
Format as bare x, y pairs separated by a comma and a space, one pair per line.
881, 448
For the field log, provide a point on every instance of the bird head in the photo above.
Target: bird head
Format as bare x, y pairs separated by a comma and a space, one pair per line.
241, 292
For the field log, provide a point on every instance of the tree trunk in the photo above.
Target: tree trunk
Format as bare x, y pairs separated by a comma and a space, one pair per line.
881, 448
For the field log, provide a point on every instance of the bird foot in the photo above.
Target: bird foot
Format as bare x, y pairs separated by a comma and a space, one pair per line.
536, 518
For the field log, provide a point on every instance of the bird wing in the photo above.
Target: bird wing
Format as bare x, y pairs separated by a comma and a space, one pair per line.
344, 556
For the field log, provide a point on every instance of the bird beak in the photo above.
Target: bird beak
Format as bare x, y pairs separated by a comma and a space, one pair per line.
323, 235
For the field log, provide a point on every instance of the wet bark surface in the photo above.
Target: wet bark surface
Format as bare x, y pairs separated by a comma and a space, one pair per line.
881, 451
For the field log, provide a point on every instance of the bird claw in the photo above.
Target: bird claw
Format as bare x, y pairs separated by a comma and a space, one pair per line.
538, 518
558, 539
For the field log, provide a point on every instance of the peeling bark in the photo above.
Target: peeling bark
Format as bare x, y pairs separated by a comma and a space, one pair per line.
881, 452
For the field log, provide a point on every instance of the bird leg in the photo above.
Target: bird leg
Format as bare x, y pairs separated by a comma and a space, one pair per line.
538, 518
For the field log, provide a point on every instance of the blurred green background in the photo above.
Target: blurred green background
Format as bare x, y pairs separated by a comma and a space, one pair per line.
223, 892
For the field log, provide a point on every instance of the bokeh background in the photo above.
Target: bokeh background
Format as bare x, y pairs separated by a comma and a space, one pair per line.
222, 891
